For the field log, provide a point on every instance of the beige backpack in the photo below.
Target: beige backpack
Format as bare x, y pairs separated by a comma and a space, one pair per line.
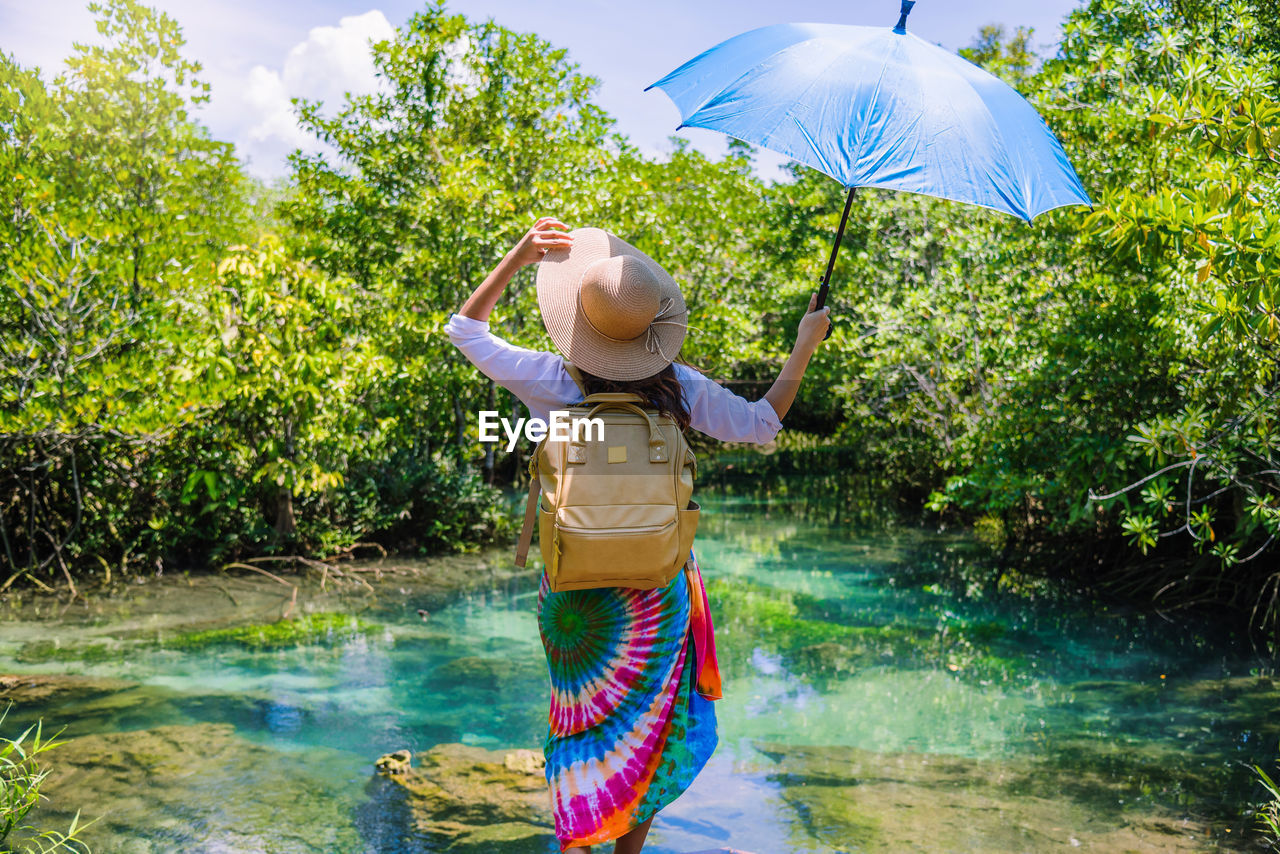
615, 510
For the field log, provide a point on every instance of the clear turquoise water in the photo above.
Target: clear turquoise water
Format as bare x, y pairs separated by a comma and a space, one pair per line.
1012, 674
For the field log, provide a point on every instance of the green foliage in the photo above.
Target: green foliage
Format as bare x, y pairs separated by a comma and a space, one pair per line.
196, 367
435, 178
1185, 99
1003, 370
1012, 59
20, 780
423, 503
286, 356
1269, 815
176, 384
106, 224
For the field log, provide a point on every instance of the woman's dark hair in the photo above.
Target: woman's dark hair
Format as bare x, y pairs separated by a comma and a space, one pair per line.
662, 390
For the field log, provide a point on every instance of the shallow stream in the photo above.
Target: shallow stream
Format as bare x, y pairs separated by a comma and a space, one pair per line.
883, 692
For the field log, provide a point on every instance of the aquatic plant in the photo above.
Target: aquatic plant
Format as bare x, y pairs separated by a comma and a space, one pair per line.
322, 628
312, 628
1269, 814
20, 779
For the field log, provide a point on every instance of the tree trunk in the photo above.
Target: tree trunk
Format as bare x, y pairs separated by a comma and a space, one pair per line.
459, 423
514, 461
286, 524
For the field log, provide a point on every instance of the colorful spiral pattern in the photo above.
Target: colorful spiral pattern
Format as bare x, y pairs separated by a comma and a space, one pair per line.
628, 729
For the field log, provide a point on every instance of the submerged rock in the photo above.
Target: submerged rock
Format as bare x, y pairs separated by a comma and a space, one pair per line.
198, 788
483, 672
469, 800
182, 605
43, 689
46, 650
525, 761
320, 627
861, 800
394, 763
823, 639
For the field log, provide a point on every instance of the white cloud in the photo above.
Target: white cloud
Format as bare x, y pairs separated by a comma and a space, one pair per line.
331, 62
268, 102
335, 59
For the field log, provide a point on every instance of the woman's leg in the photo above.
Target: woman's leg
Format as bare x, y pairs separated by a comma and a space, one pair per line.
633, 840
578, 849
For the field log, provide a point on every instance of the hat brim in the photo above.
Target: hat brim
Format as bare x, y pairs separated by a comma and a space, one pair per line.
558, 281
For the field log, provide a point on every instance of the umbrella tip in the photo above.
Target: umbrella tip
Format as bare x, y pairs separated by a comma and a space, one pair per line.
902, 19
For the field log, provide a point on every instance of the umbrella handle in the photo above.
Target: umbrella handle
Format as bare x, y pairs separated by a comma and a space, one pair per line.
822, 298
825, 285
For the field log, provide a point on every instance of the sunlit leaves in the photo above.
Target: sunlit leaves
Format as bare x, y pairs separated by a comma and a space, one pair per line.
286, 357
1141, 530
1001, 369
1159, 494
1189, 200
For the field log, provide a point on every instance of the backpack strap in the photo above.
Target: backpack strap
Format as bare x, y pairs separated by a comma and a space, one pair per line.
535, 483
576, 376
530, 510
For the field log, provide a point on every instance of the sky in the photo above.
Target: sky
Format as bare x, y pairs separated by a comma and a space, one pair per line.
257, 54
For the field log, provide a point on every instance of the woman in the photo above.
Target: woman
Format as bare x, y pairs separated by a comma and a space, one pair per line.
620, 748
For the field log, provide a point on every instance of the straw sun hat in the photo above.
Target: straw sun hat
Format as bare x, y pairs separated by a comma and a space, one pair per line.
610, 308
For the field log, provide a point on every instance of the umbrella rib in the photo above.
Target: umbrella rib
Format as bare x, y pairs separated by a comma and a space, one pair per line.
826, 167
997, 137
861, 130
1018, 205
845, 51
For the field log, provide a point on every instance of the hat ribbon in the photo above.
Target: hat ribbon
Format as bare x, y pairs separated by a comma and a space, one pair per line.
652, 342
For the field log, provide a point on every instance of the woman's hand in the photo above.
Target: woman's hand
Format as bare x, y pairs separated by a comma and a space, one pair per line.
813, 326
540, 238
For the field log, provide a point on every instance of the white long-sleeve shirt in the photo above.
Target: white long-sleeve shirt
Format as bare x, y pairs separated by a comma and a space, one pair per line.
539, 379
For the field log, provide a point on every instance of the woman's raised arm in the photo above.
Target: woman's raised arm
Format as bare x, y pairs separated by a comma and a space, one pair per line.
729, 417
537, 377
813, 327
529, 250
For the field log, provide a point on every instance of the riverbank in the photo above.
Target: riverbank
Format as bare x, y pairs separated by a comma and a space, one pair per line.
246, 592
838, 492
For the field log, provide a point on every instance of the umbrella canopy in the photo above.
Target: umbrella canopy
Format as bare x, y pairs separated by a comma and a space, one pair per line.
879, 107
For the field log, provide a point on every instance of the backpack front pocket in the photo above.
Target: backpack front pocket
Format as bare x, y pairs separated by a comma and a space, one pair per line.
625, 545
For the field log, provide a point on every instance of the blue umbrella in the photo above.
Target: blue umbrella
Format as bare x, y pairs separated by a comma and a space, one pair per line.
878, 107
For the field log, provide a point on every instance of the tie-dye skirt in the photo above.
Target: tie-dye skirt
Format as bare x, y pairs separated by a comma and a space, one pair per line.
633, 674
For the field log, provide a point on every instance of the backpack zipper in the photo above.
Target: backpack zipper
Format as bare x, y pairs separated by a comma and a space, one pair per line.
610, 532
